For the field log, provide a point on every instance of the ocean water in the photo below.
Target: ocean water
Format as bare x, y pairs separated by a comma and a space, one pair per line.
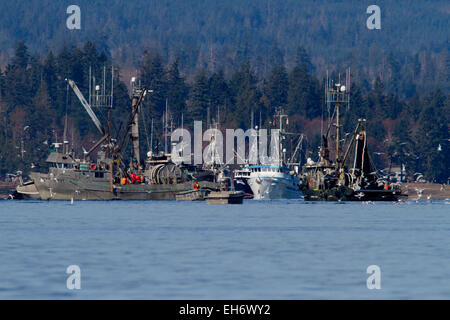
258, 250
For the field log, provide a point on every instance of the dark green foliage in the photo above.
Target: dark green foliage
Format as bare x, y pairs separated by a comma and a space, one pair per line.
433, 135
177, 90
303, 93
411, 49
220, 97
246, 96
152, 76
34, 102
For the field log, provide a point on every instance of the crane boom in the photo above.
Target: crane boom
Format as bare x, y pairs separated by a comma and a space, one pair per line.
86, 106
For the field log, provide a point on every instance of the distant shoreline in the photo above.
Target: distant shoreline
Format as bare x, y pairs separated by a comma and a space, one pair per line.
429, 189
410, 188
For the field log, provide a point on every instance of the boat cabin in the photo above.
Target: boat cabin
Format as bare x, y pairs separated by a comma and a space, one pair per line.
60, 161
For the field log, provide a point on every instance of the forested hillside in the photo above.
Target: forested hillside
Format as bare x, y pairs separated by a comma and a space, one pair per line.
235, 58
409, 53
35, 100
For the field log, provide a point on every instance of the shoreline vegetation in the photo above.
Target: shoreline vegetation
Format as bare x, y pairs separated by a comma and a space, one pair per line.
37, 109
430, 191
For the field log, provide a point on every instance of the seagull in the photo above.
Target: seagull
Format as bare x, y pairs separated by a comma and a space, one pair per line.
359, 195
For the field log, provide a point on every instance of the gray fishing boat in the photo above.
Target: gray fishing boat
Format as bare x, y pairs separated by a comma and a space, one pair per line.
344, 178
109, 176
225, 197
193, 195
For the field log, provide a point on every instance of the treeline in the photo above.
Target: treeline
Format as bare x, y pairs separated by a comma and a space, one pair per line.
409, 53
35, 100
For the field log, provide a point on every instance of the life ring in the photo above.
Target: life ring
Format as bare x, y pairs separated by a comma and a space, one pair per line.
93, 166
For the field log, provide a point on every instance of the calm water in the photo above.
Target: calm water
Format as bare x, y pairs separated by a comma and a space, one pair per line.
258, 250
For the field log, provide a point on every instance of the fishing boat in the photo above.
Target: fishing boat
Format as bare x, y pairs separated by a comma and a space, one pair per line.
240, 181
344, 178
278, 179
109, 176
269, 182
225, 197
26, 191
192, 195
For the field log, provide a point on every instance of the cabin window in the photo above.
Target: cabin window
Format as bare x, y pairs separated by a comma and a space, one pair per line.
99, 174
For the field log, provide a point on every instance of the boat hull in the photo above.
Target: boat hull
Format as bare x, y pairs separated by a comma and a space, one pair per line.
192, 195
225, 197
347, 194
274, 188
80, 187
26, 191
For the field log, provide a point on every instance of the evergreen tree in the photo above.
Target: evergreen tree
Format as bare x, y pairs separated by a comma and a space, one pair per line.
431, 138
199, 102
152, 75
21, 57
50, 76
277, 87
220, 96
303, 93
246, 95
177, 90
302, 59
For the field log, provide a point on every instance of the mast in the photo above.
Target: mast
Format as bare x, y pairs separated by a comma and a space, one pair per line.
338, 94
151, 138
135, 122
338, 130
165, 127
65, 142
110, 106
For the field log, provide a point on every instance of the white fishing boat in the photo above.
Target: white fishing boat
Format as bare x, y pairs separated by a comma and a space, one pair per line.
279, 178
274, 182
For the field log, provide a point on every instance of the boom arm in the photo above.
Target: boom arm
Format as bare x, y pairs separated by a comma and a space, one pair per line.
86, 106
136, 102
